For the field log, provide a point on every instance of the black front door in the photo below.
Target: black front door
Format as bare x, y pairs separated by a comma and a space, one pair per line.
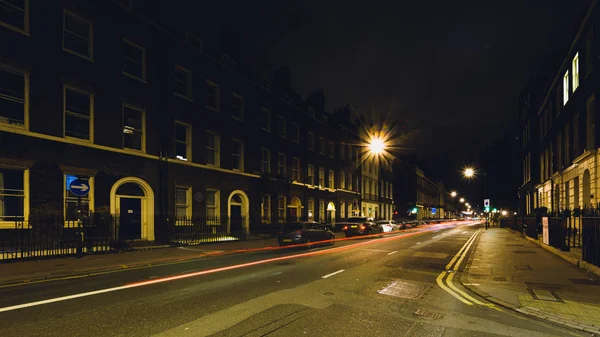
236, 221
130, 219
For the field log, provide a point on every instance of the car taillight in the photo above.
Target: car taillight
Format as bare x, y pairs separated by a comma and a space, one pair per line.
362, 227
345, 228
298, 233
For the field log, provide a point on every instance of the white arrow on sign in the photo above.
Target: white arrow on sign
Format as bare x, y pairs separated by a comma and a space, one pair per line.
81, 187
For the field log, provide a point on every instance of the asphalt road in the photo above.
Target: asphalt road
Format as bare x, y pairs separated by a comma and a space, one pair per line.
367, 287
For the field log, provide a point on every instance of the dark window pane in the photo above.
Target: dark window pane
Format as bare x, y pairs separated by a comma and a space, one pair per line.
181, 150
12, 12
180, 133
77, 35
77, 127
78, 103
133, 60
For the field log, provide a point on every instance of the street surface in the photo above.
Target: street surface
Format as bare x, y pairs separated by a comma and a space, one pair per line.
397, 285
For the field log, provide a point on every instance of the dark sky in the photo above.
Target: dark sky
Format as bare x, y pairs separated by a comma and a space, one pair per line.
453, 69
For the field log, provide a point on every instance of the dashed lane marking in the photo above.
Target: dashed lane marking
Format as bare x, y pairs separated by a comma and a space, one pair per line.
334, 273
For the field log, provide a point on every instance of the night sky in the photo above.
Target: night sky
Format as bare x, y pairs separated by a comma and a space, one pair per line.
452, 69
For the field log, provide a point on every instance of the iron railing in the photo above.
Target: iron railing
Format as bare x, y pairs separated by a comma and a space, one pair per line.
590, 245
198, 230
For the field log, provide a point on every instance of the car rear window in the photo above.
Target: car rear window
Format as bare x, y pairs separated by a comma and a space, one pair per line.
292, 226
357, 219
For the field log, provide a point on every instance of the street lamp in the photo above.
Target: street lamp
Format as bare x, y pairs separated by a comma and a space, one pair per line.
462, 200
469, 173
376, 146
453, 194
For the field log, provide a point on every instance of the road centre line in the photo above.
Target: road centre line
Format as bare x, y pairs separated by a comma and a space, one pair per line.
334, 273
394, 252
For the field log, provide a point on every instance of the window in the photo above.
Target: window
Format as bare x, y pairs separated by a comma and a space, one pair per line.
311, 141
212, 149
237, 107
310, 176
296, 133
238, 155
77, 36
14, 15
295, 169
281, 164
265, 208
321, 145
342, 209
265, 161
133, 128
321, 177
183, 207
193, 41
212, 204
78, 113
331, 150
134, 60
281, 127
212, 96
12, 194
71, 200
575, 72
342, 151
566, 88
311, 209
14, 90
322, 210
265, 121
342, 180
281, 208
331, 182
183, 82
183, 141
350, 181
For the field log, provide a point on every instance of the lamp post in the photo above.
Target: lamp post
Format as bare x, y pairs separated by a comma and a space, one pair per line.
376, 148
470, 173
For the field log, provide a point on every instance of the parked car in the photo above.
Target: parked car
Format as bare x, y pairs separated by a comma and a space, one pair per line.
305, 232
360, 226
389, 225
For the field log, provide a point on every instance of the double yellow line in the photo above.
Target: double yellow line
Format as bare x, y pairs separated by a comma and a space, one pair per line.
451, 268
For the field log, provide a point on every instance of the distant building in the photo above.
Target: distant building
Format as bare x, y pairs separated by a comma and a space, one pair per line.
558, 117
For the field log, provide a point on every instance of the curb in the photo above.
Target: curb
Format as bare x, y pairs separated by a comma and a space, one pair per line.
526, 311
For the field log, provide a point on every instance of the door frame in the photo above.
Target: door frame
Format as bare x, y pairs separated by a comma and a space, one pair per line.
147, 204
142, 200
244, 205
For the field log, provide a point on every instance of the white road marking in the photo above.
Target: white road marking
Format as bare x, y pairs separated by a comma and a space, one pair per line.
394, 252
377, 250
435, 236
471, 284
334, 273
418, 243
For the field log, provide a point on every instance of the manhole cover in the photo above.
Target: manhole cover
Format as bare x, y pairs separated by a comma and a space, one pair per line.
545, 295
523, 267
404, 290
425, 313
524, 252
585, 281
500, 279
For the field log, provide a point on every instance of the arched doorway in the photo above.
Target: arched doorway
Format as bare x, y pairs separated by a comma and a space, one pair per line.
587, 186
331, 213
132, 201
238, 212
294, 209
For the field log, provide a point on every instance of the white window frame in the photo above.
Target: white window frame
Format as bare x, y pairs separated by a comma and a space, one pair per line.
310, 176
342, 209
268, 112
217, 148
575, 66
241, 109
240, 155
331, 179
216, 207
91, 118
188, 84
25, 10
265, 208
311, 209
566, 90
25, 101
188, 141
321, 211
265, 162
90, 55
142, 64
217, 89
321, 177
143, 112
296, 134
280, 209
311, 141
342, 180
187, 205
281, 132
296, 168
281, 166
26, 196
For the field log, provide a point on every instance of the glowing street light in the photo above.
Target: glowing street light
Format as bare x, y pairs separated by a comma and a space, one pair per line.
469, 172
377, 146
504, 213
453, 194
467, 204
462, 200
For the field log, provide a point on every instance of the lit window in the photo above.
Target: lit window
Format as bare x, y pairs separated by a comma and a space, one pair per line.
13, 86
212, 149
265, 161
183, 82
212, 96
281, 164
134, 60
265, 208
311, 209
575, 72
331, 183
133, 128
295, 169
12, 195
237, 107
311, 141
321, 177
78, 113
183, 207
77, 36
212, 205
14, 15
183, 141
238, 155
343, 180
322, 210
265, 121
281, 127
310, 175
296, 133
566, 88
281, 208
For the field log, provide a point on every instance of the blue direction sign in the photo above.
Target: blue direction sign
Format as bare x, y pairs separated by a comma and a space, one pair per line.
434, 210
79, 187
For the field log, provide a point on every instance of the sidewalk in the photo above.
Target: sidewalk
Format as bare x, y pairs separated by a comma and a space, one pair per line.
516, 273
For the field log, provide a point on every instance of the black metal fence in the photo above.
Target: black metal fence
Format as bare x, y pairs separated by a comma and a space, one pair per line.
590, 246
198, 230
45, 236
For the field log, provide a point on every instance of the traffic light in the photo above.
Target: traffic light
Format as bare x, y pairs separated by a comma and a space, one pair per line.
487, 209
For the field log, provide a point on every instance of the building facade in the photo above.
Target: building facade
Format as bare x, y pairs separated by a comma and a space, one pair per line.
564, 148
131, 104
